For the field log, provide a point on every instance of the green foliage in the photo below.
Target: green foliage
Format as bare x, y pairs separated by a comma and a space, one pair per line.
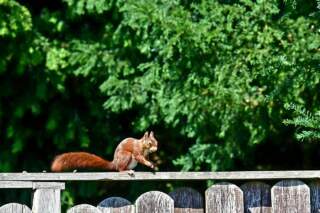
91, 6
14, 19
211, 78
307, 123
218, 76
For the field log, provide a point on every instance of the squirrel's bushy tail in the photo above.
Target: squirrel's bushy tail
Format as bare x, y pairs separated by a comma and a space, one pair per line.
80, 160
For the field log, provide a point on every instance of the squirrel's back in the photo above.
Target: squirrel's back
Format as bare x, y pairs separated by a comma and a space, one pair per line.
79, 160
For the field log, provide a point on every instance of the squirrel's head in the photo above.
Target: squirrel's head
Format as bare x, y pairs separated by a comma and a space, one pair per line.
150, 142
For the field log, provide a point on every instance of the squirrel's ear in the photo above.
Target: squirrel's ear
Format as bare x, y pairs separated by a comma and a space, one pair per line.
146, 134
151, 134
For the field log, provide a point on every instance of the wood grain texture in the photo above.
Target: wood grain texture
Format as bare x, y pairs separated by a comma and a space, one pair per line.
154, 202
224, 198
290, 196
188, 210
46, 200
30, 184
84, 208
144, 176
315, 196
260, 209
48, 185
16, 184
257, 197
14, 208
116, 205
187, 200
124, 209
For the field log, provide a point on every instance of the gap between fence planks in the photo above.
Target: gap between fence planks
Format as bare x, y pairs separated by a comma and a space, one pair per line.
123, 176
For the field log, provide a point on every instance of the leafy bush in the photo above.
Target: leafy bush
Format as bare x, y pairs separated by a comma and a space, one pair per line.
307, 123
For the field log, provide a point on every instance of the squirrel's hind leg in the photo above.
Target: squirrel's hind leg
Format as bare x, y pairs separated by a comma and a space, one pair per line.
130, 172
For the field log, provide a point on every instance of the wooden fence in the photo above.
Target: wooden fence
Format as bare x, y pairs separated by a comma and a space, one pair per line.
292, 192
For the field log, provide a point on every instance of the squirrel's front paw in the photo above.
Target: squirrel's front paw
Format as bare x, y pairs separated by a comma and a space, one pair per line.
155, 169
152, 166
149, 164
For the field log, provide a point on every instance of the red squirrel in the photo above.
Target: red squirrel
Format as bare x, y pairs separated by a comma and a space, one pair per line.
128, 153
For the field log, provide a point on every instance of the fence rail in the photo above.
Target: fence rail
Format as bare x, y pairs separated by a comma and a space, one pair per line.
288, 195
124, 176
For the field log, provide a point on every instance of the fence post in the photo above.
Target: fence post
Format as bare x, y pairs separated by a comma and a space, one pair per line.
154, 202
290, 196
116, 205
224, 198
46, 197
257, 197
315, 196
187, 200
84, 208
14, 208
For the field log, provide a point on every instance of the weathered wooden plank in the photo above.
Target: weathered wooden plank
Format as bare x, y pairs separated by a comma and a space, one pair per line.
16, 184
84, 208
224, 198
30, 184
124, 209
154, 202
257, 197
188, 210
48, 185
46, 200
315, 196
290, 196
260, 209
115, 205
14, 208
187, 200
110, 176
